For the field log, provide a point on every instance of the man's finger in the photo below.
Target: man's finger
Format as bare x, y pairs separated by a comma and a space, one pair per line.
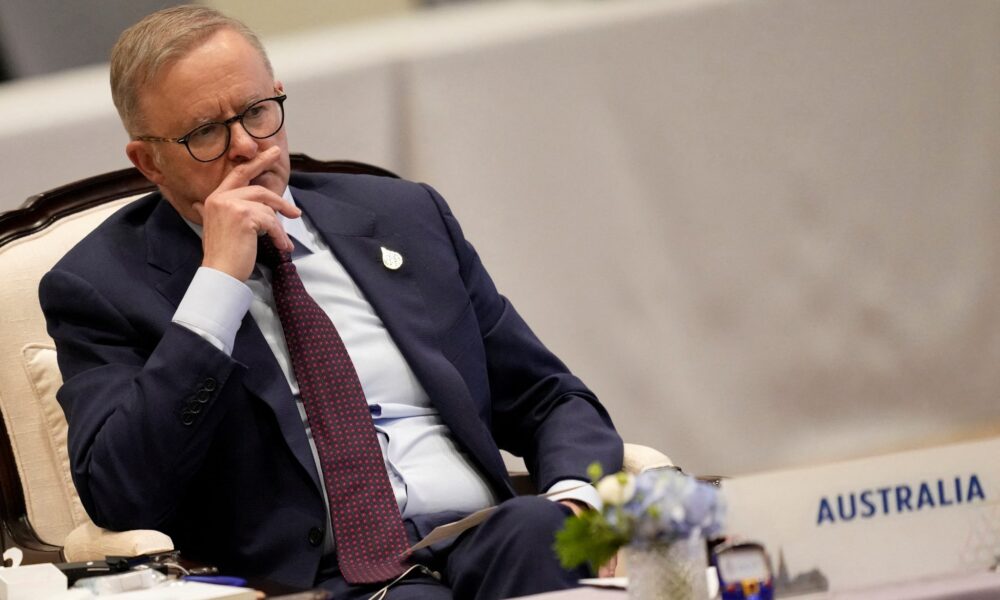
289, 210
279, 238
262, 195
241, 174
266, 222
608, 569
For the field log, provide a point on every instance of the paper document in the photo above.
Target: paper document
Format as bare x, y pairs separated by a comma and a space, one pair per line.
617, 583
455, 528
450, 530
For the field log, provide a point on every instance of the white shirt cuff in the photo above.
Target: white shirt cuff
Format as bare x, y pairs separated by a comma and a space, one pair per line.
214, 306
570, 489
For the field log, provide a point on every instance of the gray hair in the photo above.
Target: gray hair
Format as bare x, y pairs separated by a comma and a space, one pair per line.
146, 47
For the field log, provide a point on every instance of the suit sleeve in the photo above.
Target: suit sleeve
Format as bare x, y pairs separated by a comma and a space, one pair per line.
142, 401
540, 411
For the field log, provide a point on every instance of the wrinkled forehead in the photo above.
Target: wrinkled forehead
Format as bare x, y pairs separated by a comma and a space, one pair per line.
221, 73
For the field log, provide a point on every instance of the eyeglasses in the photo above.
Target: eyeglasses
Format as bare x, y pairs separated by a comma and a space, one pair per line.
207, 142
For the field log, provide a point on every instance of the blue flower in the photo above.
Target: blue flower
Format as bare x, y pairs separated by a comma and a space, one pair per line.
655, 507
665, 506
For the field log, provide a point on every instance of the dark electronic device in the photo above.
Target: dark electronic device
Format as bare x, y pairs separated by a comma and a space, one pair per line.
76, 571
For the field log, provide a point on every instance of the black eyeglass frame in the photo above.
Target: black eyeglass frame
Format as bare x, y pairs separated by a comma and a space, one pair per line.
280, 99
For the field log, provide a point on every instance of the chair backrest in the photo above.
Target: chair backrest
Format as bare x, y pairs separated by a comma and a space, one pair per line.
39, 505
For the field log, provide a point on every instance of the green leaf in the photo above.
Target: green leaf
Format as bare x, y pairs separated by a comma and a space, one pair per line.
587, 538
595, 472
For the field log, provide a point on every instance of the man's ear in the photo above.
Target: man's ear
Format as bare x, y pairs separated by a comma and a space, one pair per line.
278, 87
142, 157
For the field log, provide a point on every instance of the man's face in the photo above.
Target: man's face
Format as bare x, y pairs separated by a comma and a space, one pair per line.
216, 80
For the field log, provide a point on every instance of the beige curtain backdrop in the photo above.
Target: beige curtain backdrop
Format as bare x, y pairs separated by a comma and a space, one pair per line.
764, 231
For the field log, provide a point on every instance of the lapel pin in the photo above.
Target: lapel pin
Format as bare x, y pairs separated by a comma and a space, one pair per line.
391, 259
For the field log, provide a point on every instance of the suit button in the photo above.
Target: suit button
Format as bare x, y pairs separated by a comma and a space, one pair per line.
209, 385
315, 536
202, 396
187, 418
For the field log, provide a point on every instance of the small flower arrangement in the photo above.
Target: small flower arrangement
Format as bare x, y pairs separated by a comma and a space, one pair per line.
653, 508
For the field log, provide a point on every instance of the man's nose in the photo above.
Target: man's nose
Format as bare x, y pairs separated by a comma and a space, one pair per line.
242, 146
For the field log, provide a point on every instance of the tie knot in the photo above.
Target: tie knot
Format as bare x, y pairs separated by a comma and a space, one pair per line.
268, 255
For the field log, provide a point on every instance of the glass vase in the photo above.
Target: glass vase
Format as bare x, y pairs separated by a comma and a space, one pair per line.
674, 571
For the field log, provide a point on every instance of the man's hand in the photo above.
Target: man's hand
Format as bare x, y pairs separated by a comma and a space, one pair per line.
574, 505
607, 569
236, 213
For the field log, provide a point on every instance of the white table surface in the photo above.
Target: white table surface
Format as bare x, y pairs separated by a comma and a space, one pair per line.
979, 586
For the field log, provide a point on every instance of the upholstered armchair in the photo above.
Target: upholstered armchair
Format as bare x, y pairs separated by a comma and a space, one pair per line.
40, 509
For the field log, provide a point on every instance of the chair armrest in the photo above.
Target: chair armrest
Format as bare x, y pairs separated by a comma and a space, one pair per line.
90, 542
637, 459
643, 458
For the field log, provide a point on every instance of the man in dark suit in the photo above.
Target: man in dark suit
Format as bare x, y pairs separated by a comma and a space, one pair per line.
181, 389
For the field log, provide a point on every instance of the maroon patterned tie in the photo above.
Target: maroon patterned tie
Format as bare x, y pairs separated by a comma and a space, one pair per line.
367, 526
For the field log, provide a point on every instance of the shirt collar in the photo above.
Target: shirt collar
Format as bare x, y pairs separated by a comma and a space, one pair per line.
296, 228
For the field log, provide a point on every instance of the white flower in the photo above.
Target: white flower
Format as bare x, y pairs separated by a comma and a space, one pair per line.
616, 489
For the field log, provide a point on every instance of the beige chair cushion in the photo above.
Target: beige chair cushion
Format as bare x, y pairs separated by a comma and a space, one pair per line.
54, 497
60, 503
29, 377
643, 458
90, 542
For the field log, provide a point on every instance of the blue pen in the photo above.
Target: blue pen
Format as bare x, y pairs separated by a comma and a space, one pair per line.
217, 579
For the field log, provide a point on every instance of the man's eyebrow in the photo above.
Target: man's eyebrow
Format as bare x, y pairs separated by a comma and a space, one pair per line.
200, 120
242, 106
251, 99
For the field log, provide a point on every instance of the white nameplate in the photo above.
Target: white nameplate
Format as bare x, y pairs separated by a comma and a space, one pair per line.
893, 518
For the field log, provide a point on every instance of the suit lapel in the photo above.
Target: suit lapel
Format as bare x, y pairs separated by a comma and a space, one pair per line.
356, 238
174, 250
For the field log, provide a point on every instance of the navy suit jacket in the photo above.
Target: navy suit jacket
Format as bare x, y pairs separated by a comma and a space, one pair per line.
167, 432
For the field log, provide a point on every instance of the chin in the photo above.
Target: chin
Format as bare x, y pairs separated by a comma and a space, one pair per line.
271, 181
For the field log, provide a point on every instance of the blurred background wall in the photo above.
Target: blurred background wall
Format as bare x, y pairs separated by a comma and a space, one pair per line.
286, 17
764, 231
46, 36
